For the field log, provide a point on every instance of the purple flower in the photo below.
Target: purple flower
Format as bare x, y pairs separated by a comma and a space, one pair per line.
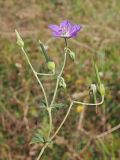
66, 29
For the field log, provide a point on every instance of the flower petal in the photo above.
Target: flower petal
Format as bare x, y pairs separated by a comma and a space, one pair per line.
75, 29
54, 28
78, 27
66, 29
56, 34
74, 34
64, 23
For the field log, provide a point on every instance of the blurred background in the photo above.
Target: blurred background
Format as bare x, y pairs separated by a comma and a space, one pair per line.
20, 95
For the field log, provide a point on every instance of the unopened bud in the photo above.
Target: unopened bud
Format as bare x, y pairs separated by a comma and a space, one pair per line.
51, 66
62, 82
102, 89
72, 55
20, 42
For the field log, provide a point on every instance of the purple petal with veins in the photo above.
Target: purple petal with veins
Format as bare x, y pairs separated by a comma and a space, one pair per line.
66, 29
54, 28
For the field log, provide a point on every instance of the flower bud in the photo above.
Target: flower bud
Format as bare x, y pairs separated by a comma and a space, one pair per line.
102, 89
62, 83
20, 42
51, 66
72, 55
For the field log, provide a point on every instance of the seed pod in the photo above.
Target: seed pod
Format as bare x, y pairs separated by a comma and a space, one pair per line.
102, 89
72, 55
20, 42
62, 83
51, 66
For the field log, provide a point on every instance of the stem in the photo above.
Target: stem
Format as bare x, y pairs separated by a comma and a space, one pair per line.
89, 104
108, 132
63, 66
44, 147
69, 112
49, 109
45, 74
66, 44
63, 121
35, 74
53, 99
42, 151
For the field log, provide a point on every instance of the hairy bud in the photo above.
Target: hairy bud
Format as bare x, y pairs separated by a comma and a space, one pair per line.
51, 66
102, 89
20, 42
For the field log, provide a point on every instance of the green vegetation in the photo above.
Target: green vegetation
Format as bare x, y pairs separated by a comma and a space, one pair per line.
21, 114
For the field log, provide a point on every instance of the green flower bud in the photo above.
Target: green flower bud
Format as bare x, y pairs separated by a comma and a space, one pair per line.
72, 55
20, 42
102, 89
51, 66
62, 83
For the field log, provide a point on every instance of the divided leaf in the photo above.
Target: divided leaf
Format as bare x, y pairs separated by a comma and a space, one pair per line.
37, 138
58, 105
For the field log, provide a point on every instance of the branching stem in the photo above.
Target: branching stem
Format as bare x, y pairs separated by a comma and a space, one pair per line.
35, 74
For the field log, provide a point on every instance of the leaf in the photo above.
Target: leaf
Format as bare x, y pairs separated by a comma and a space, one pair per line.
58, 105
102, 89
37, 138
43, 104
42, 48
97, 74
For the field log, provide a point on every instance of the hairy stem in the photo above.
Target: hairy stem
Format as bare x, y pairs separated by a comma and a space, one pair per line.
42, 151
35, 74
50, 121
63, 121
90, 104
58, 78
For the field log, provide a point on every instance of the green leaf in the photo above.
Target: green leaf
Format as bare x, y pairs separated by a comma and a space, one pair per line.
42, 48
43, 104
37, 138
102, 89
58, 105
97, 74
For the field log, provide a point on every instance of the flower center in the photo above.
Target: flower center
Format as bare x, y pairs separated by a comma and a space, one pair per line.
65, 32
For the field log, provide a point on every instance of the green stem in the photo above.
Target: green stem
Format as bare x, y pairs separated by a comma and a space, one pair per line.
49, 109
89, 104
35, 74
63, 121
42, 151
50, 129
58, 78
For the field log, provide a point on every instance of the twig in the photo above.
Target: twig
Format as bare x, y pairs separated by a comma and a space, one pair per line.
81, 119
86, 147
108, 132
